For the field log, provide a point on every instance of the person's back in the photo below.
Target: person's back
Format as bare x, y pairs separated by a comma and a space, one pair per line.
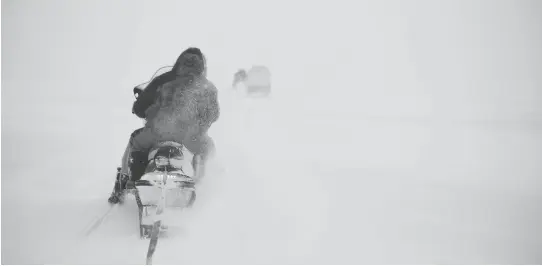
184, 108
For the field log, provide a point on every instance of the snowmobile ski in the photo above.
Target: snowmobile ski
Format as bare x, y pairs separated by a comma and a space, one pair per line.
99, 221
154, 241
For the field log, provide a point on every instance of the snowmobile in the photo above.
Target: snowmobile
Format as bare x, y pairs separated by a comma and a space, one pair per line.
256, 81
167, 182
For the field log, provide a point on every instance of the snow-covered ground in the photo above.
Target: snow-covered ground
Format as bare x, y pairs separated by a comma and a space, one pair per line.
387, 193
379, 163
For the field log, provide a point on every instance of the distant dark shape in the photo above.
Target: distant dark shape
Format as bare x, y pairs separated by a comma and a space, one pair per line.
256, 81
238, 77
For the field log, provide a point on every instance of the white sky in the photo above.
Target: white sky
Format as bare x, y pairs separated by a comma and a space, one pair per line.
420, 58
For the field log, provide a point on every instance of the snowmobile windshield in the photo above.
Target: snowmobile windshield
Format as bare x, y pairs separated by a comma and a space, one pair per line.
139, 88
158, 72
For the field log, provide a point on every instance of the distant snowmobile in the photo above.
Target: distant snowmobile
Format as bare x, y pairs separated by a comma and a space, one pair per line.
256, 81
